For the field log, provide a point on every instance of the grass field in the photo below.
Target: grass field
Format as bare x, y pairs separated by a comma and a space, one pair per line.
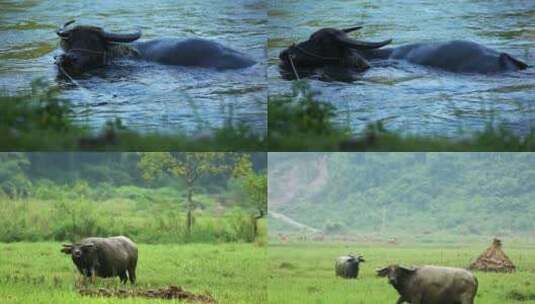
304, 273
231, 273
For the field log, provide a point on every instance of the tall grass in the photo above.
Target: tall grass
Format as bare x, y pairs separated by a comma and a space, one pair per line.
152, 221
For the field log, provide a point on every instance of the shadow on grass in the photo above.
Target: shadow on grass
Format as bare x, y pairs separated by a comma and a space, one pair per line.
42, 121
298, 122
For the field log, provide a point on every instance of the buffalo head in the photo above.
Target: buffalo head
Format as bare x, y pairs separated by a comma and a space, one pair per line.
395, 273
329, 46
87, 47
83, 255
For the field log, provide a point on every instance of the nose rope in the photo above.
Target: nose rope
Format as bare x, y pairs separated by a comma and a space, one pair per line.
293, 67
88, 94
290, 58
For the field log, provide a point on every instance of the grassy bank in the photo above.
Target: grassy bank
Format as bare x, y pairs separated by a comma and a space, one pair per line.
40, 120
300, 122
231, 273
304, 273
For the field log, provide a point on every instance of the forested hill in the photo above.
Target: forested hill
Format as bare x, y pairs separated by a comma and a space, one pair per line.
468, 193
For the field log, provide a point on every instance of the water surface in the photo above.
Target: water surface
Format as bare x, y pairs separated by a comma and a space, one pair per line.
410, 98
146, 96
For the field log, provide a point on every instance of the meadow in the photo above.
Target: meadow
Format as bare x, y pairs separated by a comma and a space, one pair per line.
230, 273
304, 272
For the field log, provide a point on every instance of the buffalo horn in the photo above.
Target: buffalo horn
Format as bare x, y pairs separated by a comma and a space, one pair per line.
357, 44
61, 31
114, 37
351, 29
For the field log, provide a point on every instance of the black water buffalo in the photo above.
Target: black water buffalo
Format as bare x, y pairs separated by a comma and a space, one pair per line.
431, 284
333, 47
348, 266
89, 47
104, 257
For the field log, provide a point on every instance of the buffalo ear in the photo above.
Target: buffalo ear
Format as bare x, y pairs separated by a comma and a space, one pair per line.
383, 272
407, 268
88, 245
67, 249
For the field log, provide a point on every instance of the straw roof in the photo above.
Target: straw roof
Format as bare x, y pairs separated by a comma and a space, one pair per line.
493, 259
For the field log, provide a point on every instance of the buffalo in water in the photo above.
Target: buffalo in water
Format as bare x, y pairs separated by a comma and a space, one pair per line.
104, 257
333, 47
90, 47
431, 284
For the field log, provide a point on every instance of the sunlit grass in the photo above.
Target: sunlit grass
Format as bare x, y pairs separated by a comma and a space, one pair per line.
231, 273
304, 273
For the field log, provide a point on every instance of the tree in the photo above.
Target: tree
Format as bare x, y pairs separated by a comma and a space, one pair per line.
254, 187
13, 179
189, 166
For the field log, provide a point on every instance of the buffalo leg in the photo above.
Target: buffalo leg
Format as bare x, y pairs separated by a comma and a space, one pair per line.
123, 277
132, 274
467, 299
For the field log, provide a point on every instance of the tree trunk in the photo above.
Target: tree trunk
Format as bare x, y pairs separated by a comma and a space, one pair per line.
190, 215
255, 223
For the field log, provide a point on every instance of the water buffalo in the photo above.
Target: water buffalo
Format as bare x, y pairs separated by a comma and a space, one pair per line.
89, 47
104, 257
348, 266
431, 284
333, 47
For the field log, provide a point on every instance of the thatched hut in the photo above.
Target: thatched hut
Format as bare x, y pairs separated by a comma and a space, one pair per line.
493, 259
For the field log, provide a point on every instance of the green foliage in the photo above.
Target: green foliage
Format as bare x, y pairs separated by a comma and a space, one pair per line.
39, 120
301, 122
300, 113
411, 193
231, 273
13, 181
250, 188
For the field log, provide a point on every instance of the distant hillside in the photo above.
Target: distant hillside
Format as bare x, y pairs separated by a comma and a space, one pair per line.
469, 193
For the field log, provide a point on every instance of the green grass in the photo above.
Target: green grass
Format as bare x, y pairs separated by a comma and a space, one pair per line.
231, 273
304, 273
300, 122
41, 121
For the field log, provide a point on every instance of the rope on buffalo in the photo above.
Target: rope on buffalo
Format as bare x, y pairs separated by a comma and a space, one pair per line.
84, 91
293, 67
88, 94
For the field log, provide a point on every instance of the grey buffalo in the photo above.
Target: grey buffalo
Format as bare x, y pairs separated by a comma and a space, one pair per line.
431, 284
90, 47
348, 266
333, 47
105, 257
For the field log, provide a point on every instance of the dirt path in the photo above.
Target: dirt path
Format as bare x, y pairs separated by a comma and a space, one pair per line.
292, 222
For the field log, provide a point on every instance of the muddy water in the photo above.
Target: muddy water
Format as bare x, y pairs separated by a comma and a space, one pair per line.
415, 99
147, 97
